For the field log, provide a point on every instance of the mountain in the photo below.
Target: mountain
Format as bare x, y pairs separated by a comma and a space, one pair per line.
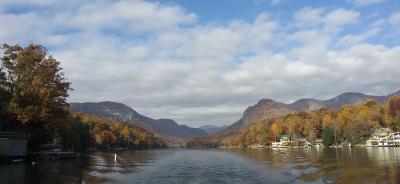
212, 128
121, 112
397, 93
267, 109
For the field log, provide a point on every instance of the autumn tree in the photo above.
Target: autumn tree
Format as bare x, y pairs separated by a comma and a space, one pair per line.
327, 120
37, 86
35, 90
276, 130
394, 107
295, 127
4, 96
310, 129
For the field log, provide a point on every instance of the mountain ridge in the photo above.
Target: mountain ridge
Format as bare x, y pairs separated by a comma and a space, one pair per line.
122, 112
212, 128
266, 109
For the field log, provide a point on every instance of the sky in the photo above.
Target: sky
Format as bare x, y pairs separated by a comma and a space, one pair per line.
204, 62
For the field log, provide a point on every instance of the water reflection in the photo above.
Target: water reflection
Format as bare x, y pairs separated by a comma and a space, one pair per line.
12, 173
327, 165
324, 165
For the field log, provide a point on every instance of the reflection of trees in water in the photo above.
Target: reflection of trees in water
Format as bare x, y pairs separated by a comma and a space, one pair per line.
355, 165
12, 173
94, 168
102, 164
345, 165
56, 171
383, 156
386, 162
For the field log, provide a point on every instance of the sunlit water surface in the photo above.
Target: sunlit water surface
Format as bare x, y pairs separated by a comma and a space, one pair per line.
325, 165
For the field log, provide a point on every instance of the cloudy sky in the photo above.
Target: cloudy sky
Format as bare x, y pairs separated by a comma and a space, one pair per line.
203, 62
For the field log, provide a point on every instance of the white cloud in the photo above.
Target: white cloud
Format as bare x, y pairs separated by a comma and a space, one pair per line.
309, 16
130, 15
352, 39
395, 19
340, 17
158, 59
331, 21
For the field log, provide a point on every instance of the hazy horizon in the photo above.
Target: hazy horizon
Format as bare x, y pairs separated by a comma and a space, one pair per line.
203, 63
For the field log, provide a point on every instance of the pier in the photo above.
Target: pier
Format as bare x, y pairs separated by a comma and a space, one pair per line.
48, 155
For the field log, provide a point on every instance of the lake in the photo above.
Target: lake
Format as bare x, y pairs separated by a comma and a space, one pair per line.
295, 165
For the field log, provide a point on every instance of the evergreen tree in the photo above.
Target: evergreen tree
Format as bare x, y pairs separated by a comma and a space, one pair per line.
327, 136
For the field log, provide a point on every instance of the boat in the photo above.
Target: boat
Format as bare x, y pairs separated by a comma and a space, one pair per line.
307, 145
279, 145
276, 144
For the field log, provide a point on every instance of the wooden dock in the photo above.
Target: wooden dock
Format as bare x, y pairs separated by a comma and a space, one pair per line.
50, 155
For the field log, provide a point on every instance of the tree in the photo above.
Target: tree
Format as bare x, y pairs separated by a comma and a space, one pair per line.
36, 84
327, 136
276, 130
4, 97
311, 129
294, 123
327, 120
261, 133
394, 107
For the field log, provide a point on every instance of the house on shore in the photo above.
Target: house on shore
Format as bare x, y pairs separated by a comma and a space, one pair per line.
384, 137
284, 142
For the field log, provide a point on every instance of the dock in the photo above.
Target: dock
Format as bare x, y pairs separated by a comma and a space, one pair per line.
49, 155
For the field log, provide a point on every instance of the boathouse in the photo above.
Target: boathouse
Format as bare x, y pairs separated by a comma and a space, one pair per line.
384, 137
13, 144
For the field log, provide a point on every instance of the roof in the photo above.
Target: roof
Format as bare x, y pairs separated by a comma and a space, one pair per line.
383, 131
13, 135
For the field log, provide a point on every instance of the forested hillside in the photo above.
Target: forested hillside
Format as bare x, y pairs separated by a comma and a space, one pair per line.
267, 109
117, 111
350, 124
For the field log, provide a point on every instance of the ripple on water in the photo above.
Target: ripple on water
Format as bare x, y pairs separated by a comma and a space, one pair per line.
356, 165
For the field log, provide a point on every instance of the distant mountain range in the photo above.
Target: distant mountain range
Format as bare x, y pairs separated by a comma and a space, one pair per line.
117, 111
267, 109
212, 128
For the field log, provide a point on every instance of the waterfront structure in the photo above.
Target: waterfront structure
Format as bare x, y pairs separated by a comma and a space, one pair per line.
13, 144
384, 137
284, 142
256, 146
318, 143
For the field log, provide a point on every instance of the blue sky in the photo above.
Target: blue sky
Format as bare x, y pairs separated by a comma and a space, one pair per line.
203, 62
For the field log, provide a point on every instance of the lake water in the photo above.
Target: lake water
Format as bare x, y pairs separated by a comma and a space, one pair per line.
296, 165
